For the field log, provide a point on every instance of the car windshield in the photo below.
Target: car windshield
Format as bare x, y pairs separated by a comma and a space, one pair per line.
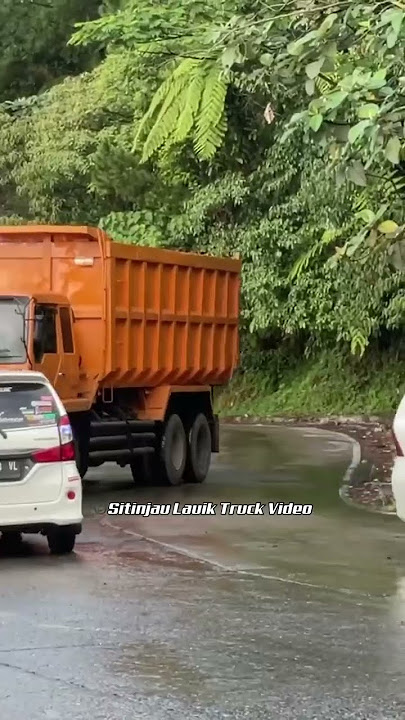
25, 405
12, 330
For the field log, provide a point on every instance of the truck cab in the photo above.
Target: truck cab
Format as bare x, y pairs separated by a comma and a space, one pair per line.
37, 333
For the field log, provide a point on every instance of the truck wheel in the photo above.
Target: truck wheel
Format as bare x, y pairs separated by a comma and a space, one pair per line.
173, 451
199, 451
61, 540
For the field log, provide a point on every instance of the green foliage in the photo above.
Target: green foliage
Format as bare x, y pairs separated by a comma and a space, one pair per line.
139, 227
191, 99
297, 114
328, 383
352, 53
336, 71
342, 70
69, 157
152, 27
211, 119
33, 37
192, 96
285, 219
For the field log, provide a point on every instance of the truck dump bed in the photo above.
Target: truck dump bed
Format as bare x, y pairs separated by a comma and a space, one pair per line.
144, 316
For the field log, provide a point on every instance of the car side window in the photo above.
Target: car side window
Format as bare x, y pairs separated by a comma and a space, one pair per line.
45, 338
66, 327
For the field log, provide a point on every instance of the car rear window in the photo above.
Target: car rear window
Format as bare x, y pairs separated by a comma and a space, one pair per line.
25, 405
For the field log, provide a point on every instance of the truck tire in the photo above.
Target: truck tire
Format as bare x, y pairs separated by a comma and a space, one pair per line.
173, 455
199, 451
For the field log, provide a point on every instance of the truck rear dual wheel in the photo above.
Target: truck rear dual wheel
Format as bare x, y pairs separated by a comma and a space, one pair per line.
182, 457
167, 466
173, 456
199, 451
186, 459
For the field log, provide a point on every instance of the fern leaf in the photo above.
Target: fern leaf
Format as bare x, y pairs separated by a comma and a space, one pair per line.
187, 67
304, 260
358, 343
166, 121
163, 130
397, 181
325, 82
361, 202
192, 103
193, 95
167, 96
157, 99
211, 121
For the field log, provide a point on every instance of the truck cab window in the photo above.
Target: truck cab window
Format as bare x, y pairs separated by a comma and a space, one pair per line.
66, 327
45, 339
13, 315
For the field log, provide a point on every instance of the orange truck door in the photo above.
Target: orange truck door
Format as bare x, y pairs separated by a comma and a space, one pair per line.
46, 358
67, 381
53, 348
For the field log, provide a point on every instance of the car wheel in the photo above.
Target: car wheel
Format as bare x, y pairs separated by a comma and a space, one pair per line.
11, 538
61, 541
199, 451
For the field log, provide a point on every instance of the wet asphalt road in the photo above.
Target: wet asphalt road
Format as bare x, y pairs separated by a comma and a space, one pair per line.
214, 617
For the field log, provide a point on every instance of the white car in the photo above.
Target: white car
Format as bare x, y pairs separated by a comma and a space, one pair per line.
40, 487
398, 473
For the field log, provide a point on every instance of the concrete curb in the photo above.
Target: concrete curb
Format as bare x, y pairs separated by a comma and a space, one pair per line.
345, 497
318, 421
344, 490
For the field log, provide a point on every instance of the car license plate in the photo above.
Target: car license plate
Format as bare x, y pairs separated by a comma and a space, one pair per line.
10, 470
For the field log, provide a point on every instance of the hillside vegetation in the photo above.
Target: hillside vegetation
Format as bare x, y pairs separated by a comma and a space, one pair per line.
273, 129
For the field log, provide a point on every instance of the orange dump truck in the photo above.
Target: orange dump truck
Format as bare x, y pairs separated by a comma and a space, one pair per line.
133, 339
